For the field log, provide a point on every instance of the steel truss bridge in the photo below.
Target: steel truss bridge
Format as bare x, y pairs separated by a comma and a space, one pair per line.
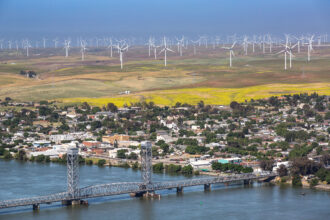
78, 194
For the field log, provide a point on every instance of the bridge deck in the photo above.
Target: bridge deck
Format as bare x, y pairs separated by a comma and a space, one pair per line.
127, 187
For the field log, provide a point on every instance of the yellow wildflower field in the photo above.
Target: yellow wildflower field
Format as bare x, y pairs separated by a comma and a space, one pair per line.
212, 96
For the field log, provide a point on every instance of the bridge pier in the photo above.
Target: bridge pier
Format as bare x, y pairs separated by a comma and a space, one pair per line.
247, 182
151, 194
207, 187
74, 202
36, 207
179, 189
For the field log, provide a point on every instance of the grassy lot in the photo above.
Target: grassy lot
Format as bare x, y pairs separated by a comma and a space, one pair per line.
213, 96
190, 78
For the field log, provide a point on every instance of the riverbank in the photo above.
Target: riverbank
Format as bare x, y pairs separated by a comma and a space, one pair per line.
305, 184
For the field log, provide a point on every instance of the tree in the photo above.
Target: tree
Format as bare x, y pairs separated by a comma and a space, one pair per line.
235, 105
40, 158
89, 162
101, 162
187, 170
121, 153
112, 107
314, 182
304, 166
267, 165
282, 170
327, 178
21, 155
154, 151
296, 180
158, 167
172, 168
132, 156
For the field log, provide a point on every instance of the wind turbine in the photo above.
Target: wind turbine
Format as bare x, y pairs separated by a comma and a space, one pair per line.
165, 49
67, 46
195, 44
270, 43
44, 42
155, 50
245, 45
180, 45
310, 48
299, 42
9, 44
231, 52
55, 42
150, 44
110, 46
27, 45
121, 49
83, 49
287, 51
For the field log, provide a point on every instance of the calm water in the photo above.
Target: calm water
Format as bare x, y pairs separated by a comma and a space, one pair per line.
233, 202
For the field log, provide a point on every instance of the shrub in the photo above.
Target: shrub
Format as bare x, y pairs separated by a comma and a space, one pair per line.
135, 166
296, 180
314, 182
158, 167
284, 179
172, 168
187, 170
101, 162
89, 162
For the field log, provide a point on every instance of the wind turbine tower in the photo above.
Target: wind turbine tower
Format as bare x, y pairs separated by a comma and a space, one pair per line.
231, 53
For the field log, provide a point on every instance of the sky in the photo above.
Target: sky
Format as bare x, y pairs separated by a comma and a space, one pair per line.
172, 17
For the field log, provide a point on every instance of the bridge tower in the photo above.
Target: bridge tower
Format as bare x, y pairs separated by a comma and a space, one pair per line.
146, 164
73, 172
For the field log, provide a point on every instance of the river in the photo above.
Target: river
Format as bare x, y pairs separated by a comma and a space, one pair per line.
257, 201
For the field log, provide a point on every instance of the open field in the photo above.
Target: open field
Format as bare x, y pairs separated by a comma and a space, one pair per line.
212, 96
190, 78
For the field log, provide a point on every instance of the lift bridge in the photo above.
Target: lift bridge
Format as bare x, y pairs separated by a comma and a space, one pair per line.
75, 195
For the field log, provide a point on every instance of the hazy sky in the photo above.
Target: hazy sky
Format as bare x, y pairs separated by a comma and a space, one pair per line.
144, 17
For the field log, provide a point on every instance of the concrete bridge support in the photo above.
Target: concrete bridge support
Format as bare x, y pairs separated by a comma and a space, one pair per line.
179, 189
74, 202
207, 187
247, 182
36, 207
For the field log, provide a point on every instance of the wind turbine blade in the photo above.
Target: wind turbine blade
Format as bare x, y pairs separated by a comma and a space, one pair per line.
282, 51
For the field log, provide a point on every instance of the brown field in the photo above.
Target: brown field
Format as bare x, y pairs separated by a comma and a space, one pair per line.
100, 76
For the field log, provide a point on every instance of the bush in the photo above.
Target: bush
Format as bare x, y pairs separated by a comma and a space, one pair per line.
158, 167
187, 170
40, 158
322, 173
89, 162
282, 170
135, 166
7, 155
196, 172
314, 182
296, 180
284, 179
327, 178
121, 153
172, 168
101, 162
124, 165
